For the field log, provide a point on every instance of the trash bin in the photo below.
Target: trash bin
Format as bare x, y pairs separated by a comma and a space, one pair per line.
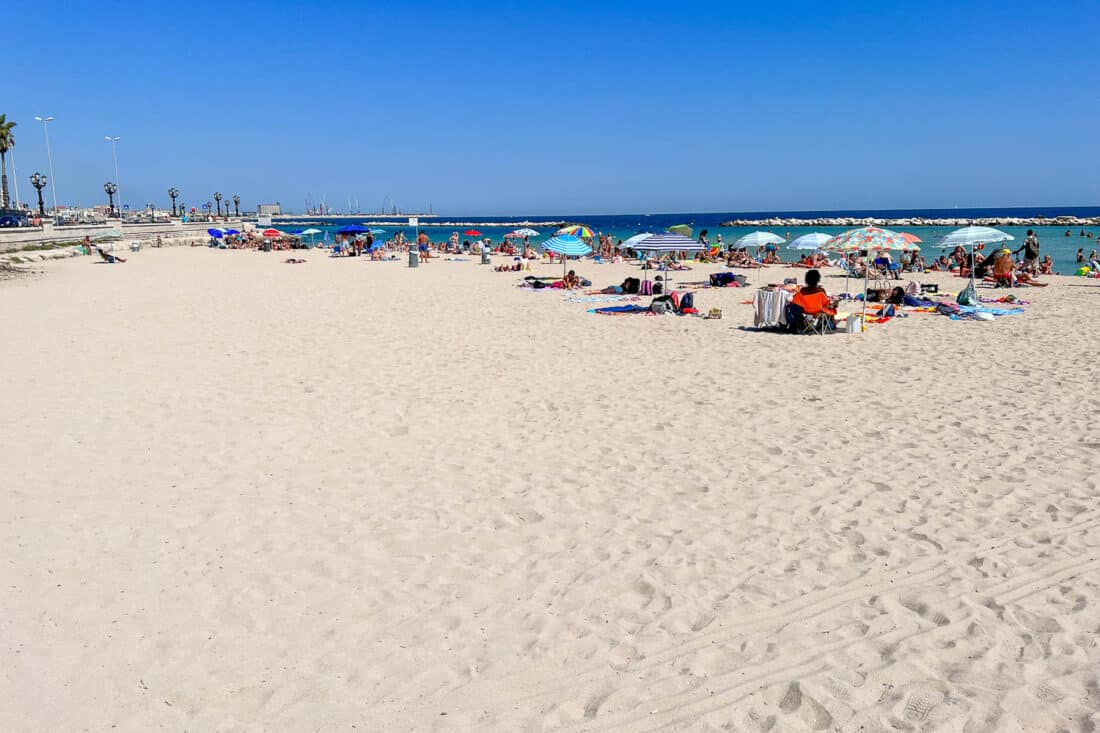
414, 257
485, 259
135, 246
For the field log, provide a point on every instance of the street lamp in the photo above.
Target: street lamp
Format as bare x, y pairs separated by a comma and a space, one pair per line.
46, 130
236, 206
39, 181
110, 189
173, 193
114, 152
218, 198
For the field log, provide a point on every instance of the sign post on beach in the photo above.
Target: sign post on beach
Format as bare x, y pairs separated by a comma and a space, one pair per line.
414, 248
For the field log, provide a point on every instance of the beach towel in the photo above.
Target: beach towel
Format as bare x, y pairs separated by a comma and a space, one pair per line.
601, 298
620, 310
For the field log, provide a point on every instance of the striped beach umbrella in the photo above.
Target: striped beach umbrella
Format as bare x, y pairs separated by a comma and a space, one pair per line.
566, 246
669, 242
576, 230
525, 232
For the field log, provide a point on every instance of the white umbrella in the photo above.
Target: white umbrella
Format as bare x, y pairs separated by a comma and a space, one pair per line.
973, 236
814, 240
525, 233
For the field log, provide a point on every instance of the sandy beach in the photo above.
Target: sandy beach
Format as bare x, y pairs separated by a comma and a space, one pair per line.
243, 495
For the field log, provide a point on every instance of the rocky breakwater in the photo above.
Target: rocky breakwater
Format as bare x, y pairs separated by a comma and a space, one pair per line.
1002, 221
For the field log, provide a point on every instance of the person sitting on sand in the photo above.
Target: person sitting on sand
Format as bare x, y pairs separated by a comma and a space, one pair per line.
1002, 269
108, 257
1046, 266
570, 281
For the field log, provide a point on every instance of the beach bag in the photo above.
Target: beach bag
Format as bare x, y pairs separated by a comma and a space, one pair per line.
687, 302
646, 288
968, 296
661, 305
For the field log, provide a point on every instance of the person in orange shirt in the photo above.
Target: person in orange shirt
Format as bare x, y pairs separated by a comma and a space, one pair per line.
812, 298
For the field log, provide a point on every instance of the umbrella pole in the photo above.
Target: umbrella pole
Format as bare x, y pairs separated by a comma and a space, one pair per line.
863, 318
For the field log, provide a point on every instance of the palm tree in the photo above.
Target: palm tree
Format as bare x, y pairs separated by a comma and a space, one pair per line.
7, 142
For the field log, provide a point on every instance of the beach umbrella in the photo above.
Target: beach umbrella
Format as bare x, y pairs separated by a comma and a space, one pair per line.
759, 239
869, 239
525, 232
576, 230
911, 238
309, 233
814, 240
231, 232
376, 232
216, 233
632, 242
471, 233
352, 229
566, 246
973, 237
669, 242
681, 229
271, 233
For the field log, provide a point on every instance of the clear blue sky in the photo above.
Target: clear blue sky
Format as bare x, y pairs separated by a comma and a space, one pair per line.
582, 107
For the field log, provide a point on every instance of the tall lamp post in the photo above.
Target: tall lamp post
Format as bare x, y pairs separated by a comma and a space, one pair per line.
114, 153
110, 189
39, 181
236, 206
173, 193
218, 198
49, 157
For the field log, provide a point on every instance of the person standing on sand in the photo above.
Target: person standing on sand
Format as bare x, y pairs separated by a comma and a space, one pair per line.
1030, 249
422, 244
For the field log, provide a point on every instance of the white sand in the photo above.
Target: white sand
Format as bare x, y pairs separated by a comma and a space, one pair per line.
241, 495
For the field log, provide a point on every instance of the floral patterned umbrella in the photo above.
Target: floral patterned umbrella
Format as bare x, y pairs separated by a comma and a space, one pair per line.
872, 239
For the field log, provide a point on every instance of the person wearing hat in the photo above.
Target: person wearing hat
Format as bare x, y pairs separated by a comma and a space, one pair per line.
1002, 268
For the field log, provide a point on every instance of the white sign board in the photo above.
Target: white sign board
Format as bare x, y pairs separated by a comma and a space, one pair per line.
264, 221
414, 221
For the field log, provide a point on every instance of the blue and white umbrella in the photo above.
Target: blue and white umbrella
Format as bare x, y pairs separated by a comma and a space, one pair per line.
525, 233
567, 246
972, 236
813, 240
216, 233
669, 242
759, 239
